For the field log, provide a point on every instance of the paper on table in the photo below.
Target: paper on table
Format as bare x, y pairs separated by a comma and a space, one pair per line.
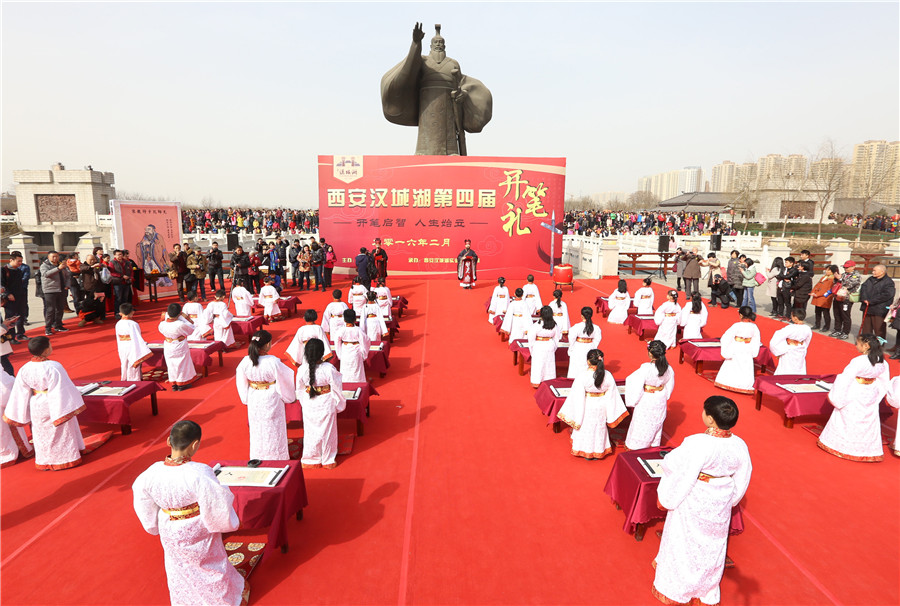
644, 317
560, 392
621, 389
351, 394
242, 318
156, 345
84, 389
260, 477
653, 467
199, 345
706, 343
379, 347
803, 387
523, 343
112, 391
825, 385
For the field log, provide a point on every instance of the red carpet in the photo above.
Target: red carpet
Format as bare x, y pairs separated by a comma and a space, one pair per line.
458, 493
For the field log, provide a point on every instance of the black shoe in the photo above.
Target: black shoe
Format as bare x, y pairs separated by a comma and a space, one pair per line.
48, 332
176, 388
834, 333
896, 355
826, 329
61, 329
183, 387
843, 336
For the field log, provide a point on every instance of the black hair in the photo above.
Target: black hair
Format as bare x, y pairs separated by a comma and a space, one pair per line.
778, 263
791, 259
530, 278
648, 281
191, 295
587, 313
547, 318
183, 434
257, 342
312, 353
173, 310
362, 249
220, 293
747, 313
805, 252
623, 287
519, 292
126, 309
337, 294
38, 345
876, 355
696, 302
501, 280
806, 264
595, 358
371, 295
799, 313
349, 316
557, 294
749, 262
657, 349
15, 255
723, 411
711, 255
310, 315
735, 252
834, 269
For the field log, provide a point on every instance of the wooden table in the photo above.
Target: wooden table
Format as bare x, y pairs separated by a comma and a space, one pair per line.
700, 354
642, 325
115, 410
357, 409
201, 354
522, 353
550, 403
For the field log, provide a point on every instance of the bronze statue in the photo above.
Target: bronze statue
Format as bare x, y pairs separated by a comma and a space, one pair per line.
432, 93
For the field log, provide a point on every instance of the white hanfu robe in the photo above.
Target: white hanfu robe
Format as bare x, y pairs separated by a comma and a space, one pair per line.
13, 440
893, 399
265, 389
588, 410
517, 319
580, 343
243, 301
218, 315
376, 327
268, 298
197, 566
320, 436
356, 297
383, 296
789, 345
561, 316
643, 300
543, 343
132, 349
531, 294
352, 348
648, 394
499, 302
740, 345
619, 302
199, 317
691, 555
333, 315
44, 395
298, 343
176, 350
692, 323
853, 431
666, 319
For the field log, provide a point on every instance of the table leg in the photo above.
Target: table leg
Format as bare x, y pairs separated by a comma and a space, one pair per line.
699, 369
126, 429
681, 357
382, 375
758, 399
639, 530
618, 507
221, 359
206, 371
558, 426
789, 422
284, 549
359, 427
521, 366
299, 515
515, 358
629, 330
153, 407
391, 333
367, 410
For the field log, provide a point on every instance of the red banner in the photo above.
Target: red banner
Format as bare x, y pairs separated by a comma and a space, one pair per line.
424, 207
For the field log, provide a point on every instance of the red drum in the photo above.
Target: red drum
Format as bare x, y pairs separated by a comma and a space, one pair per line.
562, 274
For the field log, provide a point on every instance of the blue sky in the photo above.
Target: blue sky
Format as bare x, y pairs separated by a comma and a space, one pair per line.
235, 100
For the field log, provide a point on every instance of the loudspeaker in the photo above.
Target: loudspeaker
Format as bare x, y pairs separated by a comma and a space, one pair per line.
663, 245
715, 242
231, 241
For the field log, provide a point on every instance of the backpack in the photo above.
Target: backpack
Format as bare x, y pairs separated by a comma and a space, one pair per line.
105, 276
318, 256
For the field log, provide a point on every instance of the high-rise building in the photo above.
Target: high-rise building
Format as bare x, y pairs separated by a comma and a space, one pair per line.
745, 175
875, 172
672, 183
610, 199
722, 179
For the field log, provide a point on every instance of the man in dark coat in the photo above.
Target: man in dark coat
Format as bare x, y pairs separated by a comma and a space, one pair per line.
875, 297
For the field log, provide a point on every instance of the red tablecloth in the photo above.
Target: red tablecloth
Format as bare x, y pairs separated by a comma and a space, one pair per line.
520, 347
247, 328
356, 409
377, 361
644, 326
602, 306
399, 303
764, 359
498, 322
286, 304
270, 506
548, 403
634, 491
200, 356
115, 409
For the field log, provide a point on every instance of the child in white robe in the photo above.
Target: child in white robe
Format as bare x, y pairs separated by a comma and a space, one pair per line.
593, 404
619, 302
560, 312
643, 298
265, 385
517, 319
320, 390
543, 340
44, 395
308, 331
739, 346
376, 328
583, 337
693, 317
351, 345
13, 440
198, 316
853, 431
175, 329
184, 503
532, 295
356, 297
893, 398
334, 312
499, 300
218, 315
384, 298
132, 348
666, 320
647, 391
703, 479
789, 344
268, 298
242, 299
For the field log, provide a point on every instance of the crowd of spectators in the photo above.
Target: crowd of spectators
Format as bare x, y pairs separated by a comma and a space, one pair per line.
266, 222
609, 222
874, 222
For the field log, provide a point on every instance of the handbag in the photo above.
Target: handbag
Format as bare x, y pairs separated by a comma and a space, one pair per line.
760, 279
854, 297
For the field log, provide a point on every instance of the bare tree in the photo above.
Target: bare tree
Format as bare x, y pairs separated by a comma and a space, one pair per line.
791, 187
642, 200
746, 200
827, 173
578, 202
141, 197
877, 177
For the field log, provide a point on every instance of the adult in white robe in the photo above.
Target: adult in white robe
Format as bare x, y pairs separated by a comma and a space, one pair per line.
268, 298
265, 389
560, 315
498, 303
333, 315
648, 394
893, 399
543, 343
692, 322
195, 312
789, 345
740, 345
320, 436
243, 301
853, 431
666, 320
132, 348
580, 343
385, 301
176, 350
13, 440
376, 327
187, 507
218, 315
703, 479
44, 395
351, 345
643, 300
356, 297
531, 294
308, 331
517, 319
619, 302
589, 410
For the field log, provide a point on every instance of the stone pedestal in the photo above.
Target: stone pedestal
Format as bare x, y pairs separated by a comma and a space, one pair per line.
609, 257
25, 245
841, 249
892, 249
86, 245
778, 247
